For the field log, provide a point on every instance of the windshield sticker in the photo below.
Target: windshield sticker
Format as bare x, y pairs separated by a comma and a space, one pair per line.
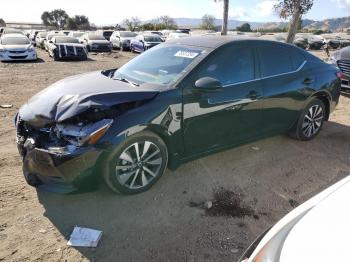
186, 54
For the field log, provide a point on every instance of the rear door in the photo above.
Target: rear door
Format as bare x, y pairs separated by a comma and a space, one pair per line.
227, 116
283, 84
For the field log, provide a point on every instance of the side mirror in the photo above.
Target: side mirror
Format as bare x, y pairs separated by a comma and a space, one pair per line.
208, 83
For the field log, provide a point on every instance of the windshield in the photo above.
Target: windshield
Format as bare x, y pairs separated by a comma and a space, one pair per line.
15, 41
49, 37
78, 34
107, 33
96, 37
127, 34
13, 31
162, 65
60, 40
152, 38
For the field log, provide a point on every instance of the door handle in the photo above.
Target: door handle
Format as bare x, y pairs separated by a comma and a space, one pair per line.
253, 95
308, 81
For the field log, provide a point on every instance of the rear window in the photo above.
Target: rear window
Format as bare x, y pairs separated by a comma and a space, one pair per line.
96, 37
42, 34
61, 40
15, 41
274, 59
127, 34
152, 39
107, 33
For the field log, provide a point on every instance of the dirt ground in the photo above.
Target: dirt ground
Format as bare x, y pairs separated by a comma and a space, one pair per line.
166, 223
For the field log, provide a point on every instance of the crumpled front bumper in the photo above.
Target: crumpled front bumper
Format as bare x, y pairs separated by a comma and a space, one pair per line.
62, 173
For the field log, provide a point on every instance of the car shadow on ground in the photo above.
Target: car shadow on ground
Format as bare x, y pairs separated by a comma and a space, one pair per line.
160, 225
75, 60
38, 60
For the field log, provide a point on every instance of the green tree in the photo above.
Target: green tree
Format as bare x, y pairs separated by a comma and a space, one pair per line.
148, 27
2, 22
166, 22
132, 23
56, 18
208, 22
82, 22
71, 25
293, 9
244, 28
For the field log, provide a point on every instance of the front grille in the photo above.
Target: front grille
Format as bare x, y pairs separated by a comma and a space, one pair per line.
16, 52
80, 51
68, 51
101, 48
18, 57
344, 66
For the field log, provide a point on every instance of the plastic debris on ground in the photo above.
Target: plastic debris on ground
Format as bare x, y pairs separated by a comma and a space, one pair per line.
6, 106
84, 237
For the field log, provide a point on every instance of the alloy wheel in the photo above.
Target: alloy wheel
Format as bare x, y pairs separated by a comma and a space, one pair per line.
138, 165
312, 120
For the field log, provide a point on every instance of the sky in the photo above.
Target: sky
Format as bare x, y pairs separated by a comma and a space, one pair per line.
114, 11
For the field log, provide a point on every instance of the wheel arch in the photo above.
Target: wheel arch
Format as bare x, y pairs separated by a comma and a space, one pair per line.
168, 139
326, 99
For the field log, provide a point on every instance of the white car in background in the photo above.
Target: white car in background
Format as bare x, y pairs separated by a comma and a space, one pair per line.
76, 34
15, 47
176, 35
316, 231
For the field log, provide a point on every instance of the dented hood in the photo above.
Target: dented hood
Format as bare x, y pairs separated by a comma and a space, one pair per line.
74, 95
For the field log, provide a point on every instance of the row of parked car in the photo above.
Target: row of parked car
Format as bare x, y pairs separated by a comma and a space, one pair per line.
315, 42
75, 45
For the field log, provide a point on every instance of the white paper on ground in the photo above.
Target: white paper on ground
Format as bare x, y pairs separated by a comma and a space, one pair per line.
84, 237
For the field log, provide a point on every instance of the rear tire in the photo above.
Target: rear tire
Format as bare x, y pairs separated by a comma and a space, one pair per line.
310, 121
135, 165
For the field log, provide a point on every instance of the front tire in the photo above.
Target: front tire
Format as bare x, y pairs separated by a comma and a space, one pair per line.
310, 121
137, 164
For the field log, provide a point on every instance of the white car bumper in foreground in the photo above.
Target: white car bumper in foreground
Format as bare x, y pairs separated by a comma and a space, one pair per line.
315, 231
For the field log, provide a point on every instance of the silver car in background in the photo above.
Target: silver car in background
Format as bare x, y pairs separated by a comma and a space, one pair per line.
122, 39
40, 39
95, 42
16, 47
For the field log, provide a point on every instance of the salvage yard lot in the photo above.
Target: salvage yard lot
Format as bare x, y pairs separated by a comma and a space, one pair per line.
270, 176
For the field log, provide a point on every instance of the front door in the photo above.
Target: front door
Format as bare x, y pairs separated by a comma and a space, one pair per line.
230, 115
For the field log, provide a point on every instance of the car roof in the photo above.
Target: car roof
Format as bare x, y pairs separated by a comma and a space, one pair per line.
212, 41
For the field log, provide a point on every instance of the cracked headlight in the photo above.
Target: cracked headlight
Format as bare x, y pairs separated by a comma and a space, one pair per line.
84, 135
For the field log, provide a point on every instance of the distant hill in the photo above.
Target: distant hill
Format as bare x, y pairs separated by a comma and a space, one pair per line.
332, 24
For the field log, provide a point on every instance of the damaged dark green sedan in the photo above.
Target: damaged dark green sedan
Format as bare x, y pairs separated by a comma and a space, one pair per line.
180, 100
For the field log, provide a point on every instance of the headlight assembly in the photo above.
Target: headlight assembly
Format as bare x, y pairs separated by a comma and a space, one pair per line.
84, 135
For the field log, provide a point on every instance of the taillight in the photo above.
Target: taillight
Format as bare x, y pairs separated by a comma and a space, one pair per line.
340, 75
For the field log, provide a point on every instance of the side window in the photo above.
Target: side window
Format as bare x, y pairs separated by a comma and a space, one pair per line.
229, 65
274, 59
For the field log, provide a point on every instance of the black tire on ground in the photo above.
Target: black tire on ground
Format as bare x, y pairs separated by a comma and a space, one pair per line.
310, 121
114, 175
